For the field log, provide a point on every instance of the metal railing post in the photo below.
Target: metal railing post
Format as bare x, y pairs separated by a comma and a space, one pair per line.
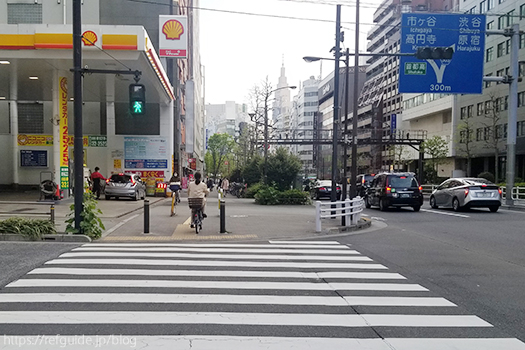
146, 216
222, 213
318, 216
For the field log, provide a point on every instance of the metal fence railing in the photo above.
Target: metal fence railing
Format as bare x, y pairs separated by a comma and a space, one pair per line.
351, 209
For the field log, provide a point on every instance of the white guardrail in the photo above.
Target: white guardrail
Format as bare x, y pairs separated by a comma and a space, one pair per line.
349, 208
518, 193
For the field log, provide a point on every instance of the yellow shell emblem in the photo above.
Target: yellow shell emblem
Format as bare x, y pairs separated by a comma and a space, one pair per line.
173, 29
89, 38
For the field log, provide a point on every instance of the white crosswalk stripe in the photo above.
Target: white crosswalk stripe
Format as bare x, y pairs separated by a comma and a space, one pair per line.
277, 296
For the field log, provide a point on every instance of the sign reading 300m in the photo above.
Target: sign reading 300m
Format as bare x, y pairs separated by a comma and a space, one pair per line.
463, 73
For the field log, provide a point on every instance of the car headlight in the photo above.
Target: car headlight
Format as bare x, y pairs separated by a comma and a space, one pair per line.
394, 195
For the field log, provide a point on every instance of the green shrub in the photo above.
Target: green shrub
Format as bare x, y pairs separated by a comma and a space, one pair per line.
271, 196
294, 196
488, 176
267, 196
90, 224
253, 189
32, 228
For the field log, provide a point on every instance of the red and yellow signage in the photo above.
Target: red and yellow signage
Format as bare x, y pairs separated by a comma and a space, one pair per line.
64, 135
35, 140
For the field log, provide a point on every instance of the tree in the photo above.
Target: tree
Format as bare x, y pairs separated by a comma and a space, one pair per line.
465, 146
399, 155
283, 168
493, 130
252, 171
220, 146
437, 148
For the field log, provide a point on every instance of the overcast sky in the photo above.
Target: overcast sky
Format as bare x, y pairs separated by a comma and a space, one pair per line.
243, 41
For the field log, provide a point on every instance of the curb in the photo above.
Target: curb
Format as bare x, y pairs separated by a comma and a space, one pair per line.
363, 223
12, 237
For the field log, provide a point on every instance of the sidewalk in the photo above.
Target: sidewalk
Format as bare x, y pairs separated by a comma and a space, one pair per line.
124, 219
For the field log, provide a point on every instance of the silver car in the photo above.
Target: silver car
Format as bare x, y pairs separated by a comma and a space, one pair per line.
125, 185
464, 193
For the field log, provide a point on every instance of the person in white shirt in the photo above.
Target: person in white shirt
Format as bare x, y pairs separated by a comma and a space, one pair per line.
198, 189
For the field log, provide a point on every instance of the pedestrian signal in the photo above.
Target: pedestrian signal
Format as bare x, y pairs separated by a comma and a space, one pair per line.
137, 99
434, 53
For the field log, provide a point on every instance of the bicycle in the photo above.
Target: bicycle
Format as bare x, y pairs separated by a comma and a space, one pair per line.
175, 197
196, 213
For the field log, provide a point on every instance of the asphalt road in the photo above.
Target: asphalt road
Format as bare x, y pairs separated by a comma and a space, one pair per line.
473, 258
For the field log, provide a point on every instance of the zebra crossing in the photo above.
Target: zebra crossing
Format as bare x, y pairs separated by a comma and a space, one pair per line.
275, 295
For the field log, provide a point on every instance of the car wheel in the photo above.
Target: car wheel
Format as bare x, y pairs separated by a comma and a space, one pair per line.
455, 204
108, 197
416, 207
136, 196
433, 202
367, 203
383, 204
116, 197
317, 196
494, 208
143, 195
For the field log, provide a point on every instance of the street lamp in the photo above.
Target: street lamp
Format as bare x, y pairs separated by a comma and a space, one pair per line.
266, 96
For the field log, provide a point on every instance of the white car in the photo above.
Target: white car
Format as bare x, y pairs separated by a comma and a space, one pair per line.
464, 193
125, 185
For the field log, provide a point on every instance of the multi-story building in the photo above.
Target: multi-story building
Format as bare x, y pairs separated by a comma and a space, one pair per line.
225, 118
304, 109
485, 116
281, 107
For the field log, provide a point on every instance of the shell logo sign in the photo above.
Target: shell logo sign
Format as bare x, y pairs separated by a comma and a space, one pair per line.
173, 29
89, 38
173, 36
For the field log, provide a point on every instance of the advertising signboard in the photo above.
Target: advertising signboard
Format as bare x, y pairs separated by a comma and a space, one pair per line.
463, 73
173, 36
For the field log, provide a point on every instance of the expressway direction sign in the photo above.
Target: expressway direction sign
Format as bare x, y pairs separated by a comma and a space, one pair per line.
463, 74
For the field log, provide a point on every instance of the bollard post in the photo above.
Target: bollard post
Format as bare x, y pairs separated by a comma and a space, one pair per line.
318, 216
146, 216
52, 213
222, 213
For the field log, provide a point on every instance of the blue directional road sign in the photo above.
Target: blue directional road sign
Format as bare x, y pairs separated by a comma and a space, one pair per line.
463, 74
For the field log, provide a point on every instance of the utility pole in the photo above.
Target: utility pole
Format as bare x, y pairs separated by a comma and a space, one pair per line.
337, 54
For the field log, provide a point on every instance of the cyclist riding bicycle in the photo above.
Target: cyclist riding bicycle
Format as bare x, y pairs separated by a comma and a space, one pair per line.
198, 189
175, 186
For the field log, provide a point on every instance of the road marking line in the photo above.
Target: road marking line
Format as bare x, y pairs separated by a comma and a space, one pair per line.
215, 284
120, 224
270, 319
141, 298
216, 245
170, 262
445, 213
329, 243
216, 250
215, 256
216, 273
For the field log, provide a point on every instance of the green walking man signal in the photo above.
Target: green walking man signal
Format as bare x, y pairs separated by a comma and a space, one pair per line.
137, 99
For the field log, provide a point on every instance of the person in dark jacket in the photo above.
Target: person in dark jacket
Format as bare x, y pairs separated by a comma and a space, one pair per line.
96, 179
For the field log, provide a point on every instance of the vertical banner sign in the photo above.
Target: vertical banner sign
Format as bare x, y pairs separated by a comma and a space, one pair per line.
173, 36
63, 133
393, 123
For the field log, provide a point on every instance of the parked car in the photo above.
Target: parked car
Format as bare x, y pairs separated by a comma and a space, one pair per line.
323, 188
463, 193
396, 190
125, 185
362, 183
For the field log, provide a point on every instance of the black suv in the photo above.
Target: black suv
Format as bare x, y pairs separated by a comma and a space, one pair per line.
396, 190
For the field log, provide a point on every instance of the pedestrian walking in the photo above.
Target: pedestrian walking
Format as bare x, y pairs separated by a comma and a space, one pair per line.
97, 179
225, 186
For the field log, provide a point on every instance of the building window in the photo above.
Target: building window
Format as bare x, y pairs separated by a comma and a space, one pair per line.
470, 110
487, 83
521, 128
522, 11
510, 18
463, 113
522, 41
482, 6
479, 109
479, 134
501, 22
489, 54
488, 107
490, 25
30, 118
24, 13
500, 50
521, 99
490, 4
486, 133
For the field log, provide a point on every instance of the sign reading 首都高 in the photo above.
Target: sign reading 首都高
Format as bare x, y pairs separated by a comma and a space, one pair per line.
145, 153
463, 74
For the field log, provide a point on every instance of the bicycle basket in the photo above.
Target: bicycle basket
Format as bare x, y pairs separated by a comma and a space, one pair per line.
195, 203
